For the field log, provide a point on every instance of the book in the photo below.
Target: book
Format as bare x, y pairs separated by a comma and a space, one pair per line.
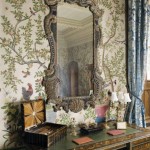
115, 132
82, 140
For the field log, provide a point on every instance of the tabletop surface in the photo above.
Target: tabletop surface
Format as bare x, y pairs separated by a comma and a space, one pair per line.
99, 136
100, 139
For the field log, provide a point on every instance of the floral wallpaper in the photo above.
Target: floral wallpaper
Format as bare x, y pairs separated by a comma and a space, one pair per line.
112, 47
24, 53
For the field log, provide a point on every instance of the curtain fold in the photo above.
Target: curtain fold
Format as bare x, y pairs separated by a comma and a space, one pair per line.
137, 48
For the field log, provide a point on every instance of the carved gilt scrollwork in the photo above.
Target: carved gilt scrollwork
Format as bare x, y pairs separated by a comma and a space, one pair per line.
99, 82
51, 2
51, 80
88, 3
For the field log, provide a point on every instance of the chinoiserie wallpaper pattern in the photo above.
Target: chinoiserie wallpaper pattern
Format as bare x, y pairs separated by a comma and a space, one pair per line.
24, 53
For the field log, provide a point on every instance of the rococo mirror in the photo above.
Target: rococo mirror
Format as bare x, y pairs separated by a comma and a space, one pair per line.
73, 80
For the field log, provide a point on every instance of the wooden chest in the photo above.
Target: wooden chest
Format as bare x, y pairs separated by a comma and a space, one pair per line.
36, 130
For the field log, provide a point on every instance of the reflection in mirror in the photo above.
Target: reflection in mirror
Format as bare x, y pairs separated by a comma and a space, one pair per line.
74, 49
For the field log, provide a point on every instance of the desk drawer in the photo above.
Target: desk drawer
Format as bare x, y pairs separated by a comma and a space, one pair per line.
113, 147
145, 146
141, 141
119, 147
142, 144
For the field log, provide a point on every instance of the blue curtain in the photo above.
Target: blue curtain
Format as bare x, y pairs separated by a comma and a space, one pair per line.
136, 59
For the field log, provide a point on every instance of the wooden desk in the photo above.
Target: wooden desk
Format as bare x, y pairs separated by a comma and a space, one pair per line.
133, 139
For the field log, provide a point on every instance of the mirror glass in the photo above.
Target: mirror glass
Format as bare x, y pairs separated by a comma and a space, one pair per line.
74, 50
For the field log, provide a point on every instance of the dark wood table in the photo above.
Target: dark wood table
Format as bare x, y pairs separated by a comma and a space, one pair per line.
133, 139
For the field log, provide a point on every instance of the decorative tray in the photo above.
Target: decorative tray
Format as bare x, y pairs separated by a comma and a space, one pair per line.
84, 130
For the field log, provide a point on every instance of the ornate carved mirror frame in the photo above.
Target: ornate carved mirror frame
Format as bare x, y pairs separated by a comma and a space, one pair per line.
51, 80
